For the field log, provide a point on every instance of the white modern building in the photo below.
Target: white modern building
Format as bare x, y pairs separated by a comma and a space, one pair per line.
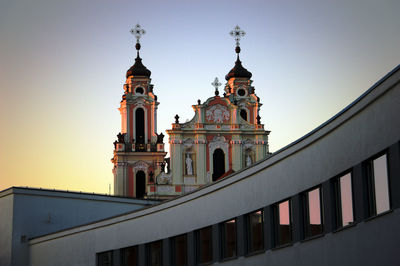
330, 198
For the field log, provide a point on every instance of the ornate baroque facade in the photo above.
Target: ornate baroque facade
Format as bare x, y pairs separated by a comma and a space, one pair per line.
224, 136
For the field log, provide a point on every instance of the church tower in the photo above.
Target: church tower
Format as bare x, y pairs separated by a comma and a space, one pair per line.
139, 150
224, 136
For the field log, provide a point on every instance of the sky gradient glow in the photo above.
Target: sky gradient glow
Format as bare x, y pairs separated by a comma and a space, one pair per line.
63, 65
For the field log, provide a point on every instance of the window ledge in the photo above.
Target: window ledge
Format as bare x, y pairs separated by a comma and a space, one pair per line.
228, 259
312, 237
253, 253
378, 215
345, 227
283, 246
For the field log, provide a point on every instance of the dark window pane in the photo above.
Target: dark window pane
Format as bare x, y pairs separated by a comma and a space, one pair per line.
255, 232
179, 250
381, 184
204, 245
130, 256
104, 259
346, 200
154, 254
228, 239
284, 231
314, 221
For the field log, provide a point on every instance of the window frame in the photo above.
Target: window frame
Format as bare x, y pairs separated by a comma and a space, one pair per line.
105, 252
306, 213
173, 248
248, 233
276, 223
223, 243
123, 258
198, 248
148, 252
338, 199
370, 182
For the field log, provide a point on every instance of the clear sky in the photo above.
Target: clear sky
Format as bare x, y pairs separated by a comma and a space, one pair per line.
63, 65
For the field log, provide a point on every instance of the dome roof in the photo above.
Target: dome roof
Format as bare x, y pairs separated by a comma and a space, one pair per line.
238, 71
138, 69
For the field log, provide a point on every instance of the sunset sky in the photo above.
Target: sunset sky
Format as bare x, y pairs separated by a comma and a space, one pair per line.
63, 65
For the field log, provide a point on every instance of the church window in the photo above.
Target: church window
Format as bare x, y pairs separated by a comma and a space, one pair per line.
179, 250
140, 184
139, 90
218, 164
255, 236
344, 200
105, 258
378, 185
228, 239
241, 92
139, 125
154, 253
130, 256
204, 245
283, 225
312, 210
243, 114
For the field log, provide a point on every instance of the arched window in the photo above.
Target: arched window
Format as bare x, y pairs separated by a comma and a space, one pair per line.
243, 114
218, 164
140, 184
139, 125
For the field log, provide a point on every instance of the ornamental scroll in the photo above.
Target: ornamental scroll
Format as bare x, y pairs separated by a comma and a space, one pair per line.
217, 114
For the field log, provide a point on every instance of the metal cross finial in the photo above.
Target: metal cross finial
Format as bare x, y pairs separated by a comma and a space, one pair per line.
216, 84
237, 33
138, 32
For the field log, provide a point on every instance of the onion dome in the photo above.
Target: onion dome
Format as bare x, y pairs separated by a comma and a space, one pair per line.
238, 71
138, 69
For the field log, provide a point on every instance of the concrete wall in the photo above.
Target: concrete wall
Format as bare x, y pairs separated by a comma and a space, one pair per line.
6, 229
364, 129
38, 212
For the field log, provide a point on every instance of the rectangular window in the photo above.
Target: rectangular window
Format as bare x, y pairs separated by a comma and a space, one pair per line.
154, 253
179, 250
283, 227
129, 256
255, 235
313, 217
204, 245
378, 185
228, 239
344, 201
105, 258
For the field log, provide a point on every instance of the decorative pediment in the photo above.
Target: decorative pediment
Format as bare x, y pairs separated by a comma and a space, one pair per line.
140, 166
218, 114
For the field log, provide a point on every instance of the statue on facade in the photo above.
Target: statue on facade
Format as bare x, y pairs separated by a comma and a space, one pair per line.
160, 138
248, 160
189, 166
121, 138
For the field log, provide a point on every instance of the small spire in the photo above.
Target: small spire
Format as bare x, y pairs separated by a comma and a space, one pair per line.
237, 33
138, 32
138, 68
216, 84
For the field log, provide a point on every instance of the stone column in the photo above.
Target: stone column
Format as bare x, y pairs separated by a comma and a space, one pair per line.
201, 159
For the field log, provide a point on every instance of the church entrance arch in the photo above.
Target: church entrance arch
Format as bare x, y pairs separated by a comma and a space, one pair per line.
218, 164
139, 125
140, 184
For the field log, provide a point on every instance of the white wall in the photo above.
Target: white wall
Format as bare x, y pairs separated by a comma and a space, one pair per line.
6, 214
361, 131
